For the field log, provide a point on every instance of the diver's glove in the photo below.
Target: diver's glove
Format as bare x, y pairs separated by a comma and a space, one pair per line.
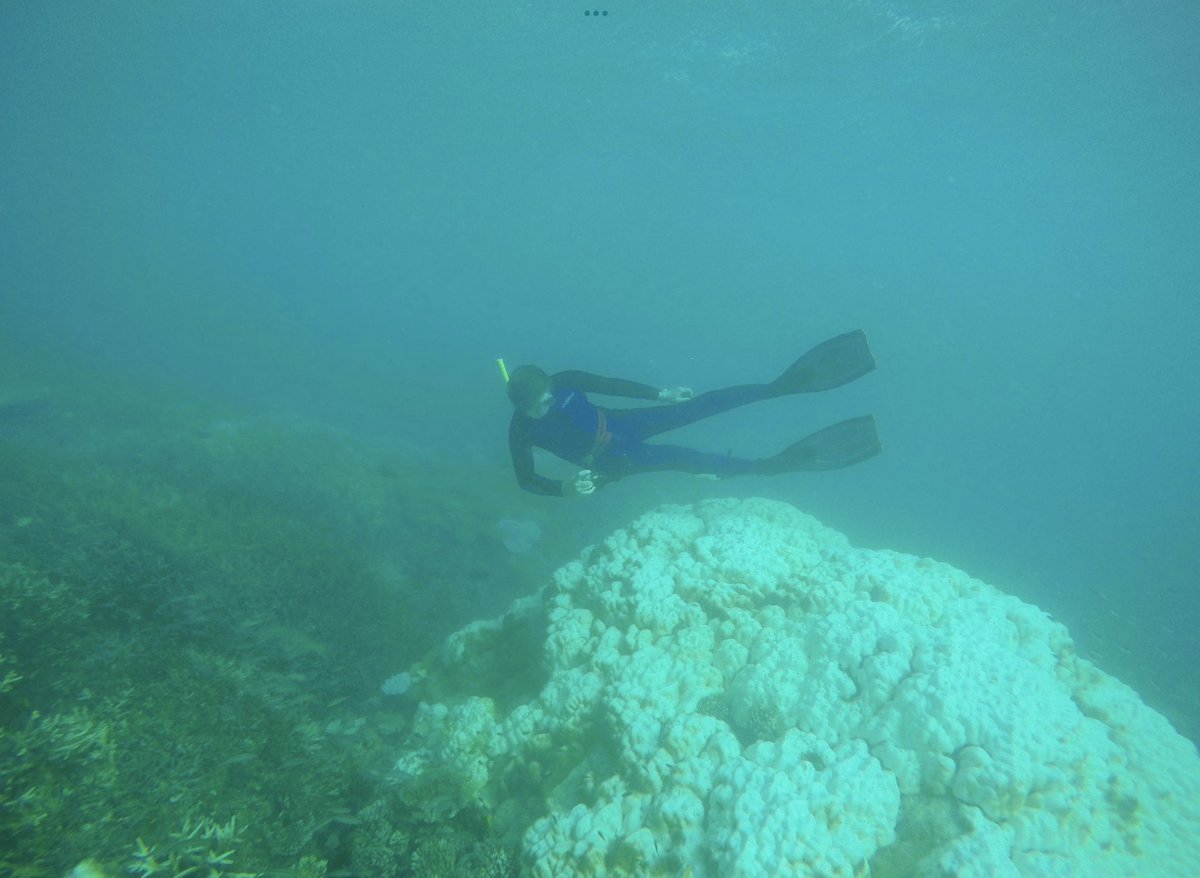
580, 485
675, 394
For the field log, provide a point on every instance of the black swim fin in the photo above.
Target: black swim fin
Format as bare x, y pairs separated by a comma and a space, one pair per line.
830, 364
842, 444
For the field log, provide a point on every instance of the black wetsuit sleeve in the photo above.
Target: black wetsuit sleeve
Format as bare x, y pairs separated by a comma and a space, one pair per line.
521, 450
589, 383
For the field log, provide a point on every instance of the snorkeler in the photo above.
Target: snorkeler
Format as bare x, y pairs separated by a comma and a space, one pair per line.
553, 412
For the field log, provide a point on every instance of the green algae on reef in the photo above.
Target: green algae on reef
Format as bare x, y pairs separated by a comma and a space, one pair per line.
195, 616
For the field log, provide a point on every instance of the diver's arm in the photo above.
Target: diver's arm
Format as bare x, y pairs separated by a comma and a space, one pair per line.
589, 383
522, 460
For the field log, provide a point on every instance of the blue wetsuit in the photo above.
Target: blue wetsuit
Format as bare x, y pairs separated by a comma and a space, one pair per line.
611, 442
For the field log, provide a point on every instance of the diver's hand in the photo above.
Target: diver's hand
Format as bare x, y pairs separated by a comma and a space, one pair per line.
579, 485
675, 394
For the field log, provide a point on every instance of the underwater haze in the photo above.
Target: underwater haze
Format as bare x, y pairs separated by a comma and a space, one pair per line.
342, 214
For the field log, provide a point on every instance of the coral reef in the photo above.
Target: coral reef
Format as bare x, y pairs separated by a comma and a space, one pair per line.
731, 690
204, 847
379, 847
195, 615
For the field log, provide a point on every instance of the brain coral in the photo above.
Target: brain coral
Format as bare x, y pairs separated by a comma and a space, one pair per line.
732, 690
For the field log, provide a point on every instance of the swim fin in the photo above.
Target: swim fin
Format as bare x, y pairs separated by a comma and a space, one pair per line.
841, 444
830, 364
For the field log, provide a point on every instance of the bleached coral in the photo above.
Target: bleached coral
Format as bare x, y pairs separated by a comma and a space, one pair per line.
732, 690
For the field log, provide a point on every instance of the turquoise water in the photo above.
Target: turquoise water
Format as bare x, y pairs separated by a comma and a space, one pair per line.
346, 212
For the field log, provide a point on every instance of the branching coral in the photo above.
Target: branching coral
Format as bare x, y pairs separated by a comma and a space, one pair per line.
201, 849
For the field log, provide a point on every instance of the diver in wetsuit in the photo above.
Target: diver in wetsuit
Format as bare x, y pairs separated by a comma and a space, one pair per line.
554, 413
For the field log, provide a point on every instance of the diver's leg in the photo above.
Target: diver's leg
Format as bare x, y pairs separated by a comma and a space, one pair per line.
640, 457
643, 423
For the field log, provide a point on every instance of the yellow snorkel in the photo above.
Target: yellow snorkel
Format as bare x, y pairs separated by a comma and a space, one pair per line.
503, 369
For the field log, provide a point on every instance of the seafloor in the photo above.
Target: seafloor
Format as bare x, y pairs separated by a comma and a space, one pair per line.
197, 612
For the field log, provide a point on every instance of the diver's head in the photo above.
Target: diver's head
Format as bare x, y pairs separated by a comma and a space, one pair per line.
531, 391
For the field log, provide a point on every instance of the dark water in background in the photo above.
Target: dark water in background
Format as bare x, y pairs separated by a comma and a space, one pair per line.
349, 210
